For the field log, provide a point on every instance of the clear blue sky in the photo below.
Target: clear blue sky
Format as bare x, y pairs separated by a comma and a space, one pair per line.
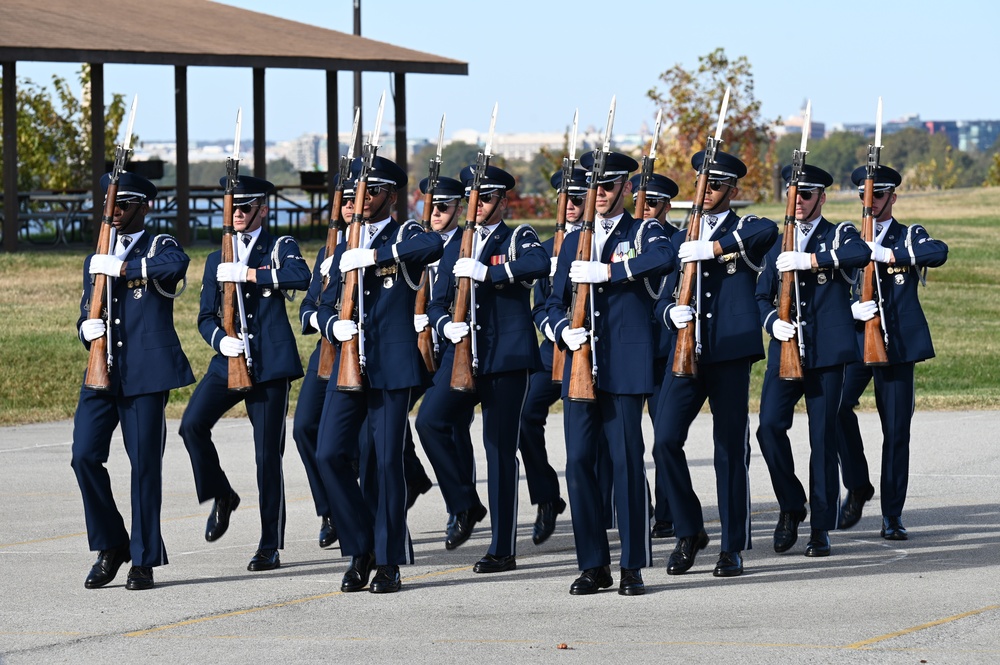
931, 58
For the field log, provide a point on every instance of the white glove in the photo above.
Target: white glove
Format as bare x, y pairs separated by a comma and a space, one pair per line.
788, 261
353, 259
314, 321
324, 268
680, 315
231, 272
574, 337
783, 330
696, 250
470, 267
231, 346
588, 272
455, 331
92, 329
106, 264
548, 333
554, 261
344, 330
880, 254
420, 321
863, 310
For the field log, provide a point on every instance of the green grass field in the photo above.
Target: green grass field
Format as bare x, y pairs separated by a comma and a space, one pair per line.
43, 361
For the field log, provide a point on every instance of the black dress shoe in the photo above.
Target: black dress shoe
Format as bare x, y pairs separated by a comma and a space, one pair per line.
356, 577
107, 565
893, 529
327, 533
218, 519
591, 581
819, 543
683, 555
495, 564
416, 489
631, 583
663, 529
545, 522
139, 578
730, 564
463, 525
386, 580
265, 560
787, 531
850, 510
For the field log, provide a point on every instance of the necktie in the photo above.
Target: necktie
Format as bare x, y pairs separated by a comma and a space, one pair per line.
805, 228
607, 224
126, 241
712, 221
484, 232
372, 230
246, 238
878, 229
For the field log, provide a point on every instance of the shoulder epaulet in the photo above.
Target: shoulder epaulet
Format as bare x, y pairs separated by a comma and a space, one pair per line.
643, 227
525, 237
276, 261
163, 240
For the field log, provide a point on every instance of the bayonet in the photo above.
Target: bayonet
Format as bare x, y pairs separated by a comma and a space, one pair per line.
377, 130
131, 120
611, 124
354, 133
656, 134
572, 136
878, 124
440, 138
493, 123
722, 116
806, 128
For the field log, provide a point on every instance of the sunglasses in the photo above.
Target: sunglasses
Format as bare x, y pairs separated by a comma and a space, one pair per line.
489, 196
861, 195
608, 186
245, 208
375, 190
442, 207
125, 204
716, 185
805, 195
576, 200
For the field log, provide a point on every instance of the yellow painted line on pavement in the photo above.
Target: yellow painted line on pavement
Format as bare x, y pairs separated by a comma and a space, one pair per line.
273, 606
923, 626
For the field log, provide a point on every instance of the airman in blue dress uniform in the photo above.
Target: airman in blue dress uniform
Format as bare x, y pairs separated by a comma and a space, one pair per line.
659, 191
824, 262
628, 251
391, 257
147, 363
902, 254
730, 253
264, 268
504, 264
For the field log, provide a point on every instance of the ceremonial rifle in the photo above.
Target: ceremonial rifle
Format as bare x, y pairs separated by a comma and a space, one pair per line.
352, 352
100, 361
327, 351
792, 350
427, 338
234, 320
689, 337
583, 371
647, 169
876, 338
466, 360
568, 163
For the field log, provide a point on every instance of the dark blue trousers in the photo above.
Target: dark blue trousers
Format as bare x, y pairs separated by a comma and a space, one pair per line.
822, 388
726, 386
305, 431
661, 506
267, 408
360, 528
619, 419
894, 398
543, 481
443, 423
144, 431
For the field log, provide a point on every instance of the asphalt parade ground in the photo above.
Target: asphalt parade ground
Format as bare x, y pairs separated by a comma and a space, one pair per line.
934, 598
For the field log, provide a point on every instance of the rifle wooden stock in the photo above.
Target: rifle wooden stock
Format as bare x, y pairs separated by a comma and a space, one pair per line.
425, 339
462, 377
790, 367
581, 376
874, 343
327, 351
685, 352
558, 355
640, 204
239, 375
349, 377
97, 363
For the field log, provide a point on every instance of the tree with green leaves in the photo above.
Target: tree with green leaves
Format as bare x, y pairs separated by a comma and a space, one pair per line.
53, 133
690, 102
